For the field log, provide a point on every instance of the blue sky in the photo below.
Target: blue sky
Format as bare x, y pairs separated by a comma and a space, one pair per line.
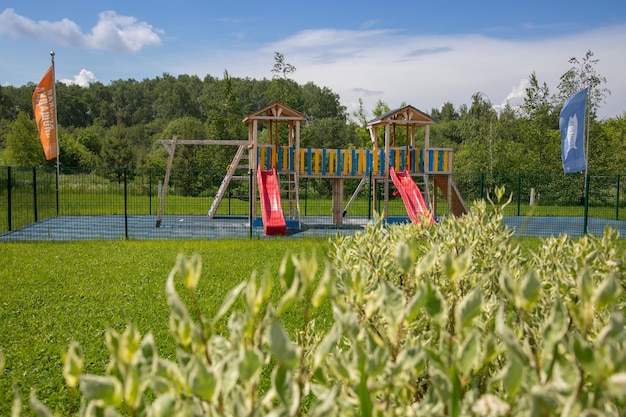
419, 53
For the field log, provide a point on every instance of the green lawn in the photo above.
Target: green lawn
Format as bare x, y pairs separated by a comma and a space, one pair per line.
53, 293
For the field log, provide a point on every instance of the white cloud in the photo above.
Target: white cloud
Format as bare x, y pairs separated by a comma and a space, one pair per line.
112, 32
83, 79
426, 71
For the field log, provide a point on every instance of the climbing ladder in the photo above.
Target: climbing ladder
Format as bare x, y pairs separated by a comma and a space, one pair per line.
292, 193
230, 175
421, 181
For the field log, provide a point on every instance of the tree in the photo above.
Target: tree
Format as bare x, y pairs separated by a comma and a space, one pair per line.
281, 68
23, 144
583, 74
540, 119
118, 153
329, 133
282, 88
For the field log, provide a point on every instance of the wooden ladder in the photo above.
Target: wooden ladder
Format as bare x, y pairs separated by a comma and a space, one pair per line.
230, 175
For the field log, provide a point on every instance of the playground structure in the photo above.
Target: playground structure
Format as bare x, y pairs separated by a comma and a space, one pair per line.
283, 161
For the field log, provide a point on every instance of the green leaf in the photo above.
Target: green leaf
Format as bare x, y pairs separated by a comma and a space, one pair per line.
584, 354
513, 378
392, 308
468, 351
554, 329
436, 305
507, 283
403, 257
72, 365
229, 300
585, 285
613, 332
469, 308
106, 390
286, 388
165, 405
416, 303
441, 384
616, 386
324, 288
509, 339
427, 262
202, 380
177, 307
37, 407
2, 361
287, 271
289, 297
366, 407
190, 269
530, 290
281, 346
456, 267
250, 364
608, 292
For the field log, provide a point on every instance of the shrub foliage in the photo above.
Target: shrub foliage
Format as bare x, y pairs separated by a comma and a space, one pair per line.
448, 320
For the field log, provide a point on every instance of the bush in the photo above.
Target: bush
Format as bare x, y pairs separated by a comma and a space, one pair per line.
445, 320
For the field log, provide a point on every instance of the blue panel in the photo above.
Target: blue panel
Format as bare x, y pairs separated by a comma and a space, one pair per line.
431, 156
309, 153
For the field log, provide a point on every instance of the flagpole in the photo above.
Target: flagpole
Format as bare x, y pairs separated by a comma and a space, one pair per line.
56, 127
586, 190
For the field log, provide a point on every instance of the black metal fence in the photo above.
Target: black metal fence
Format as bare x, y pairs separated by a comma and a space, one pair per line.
35, 204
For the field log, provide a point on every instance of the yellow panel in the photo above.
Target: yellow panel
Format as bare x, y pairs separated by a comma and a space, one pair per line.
362, 161
375, 161
317, 158
446, 156
347, 161
262, 158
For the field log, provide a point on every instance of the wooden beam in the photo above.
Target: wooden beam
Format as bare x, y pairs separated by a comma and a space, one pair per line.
203, 142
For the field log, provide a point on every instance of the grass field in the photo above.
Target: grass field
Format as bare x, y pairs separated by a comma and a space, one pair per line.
53, 294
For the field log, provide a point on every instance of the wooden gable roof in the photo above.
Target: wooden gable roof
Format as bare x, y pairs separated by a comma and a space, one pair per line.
407, 115
276, 111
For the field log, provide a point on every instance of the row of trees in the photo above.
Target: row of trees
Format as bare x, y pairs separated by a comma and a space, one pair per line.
117, 125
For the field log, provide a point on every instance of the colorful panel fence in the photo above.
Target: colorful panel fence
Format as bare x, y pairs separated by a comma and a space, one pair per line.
353, 162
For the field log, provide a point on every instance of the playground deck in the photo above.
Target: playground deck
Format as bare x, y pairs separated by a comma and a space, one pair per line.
118, 227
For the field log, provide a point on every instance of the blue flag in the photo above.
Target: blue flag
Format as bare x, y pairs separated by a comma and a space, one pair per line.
572, 127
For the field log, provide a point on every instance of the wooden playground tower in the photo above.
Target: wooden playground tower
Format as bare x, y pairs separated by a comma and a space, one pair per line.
430, 167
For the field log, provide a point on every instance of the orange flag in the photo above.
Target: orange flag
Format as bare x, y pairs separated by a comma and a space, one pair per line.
44, 107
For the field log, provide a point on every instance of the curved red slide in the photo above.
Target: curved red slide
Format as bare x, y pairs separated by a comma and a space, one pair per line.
412, 197
271, 209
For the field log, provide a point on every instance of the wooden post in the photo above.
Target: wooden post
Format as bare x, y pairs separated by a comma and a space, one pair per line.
168, 171
387, 151
253, 165
337, 203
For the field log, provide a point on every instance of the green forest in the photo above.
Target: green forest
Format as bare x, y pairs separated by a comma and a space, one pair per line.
117, 125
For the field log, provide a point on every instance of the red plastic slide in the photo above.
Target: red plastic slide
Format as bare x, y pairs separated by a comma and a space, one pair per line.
271, 208
412, 196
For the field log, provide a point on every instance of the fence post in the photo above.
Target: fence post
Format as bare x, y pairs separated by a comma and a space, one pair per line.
125, 204
35, 193
617, 200
586, 209
9, 198
57, 188
250, 197
519, 192
150, 189
369, 199
481, 185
